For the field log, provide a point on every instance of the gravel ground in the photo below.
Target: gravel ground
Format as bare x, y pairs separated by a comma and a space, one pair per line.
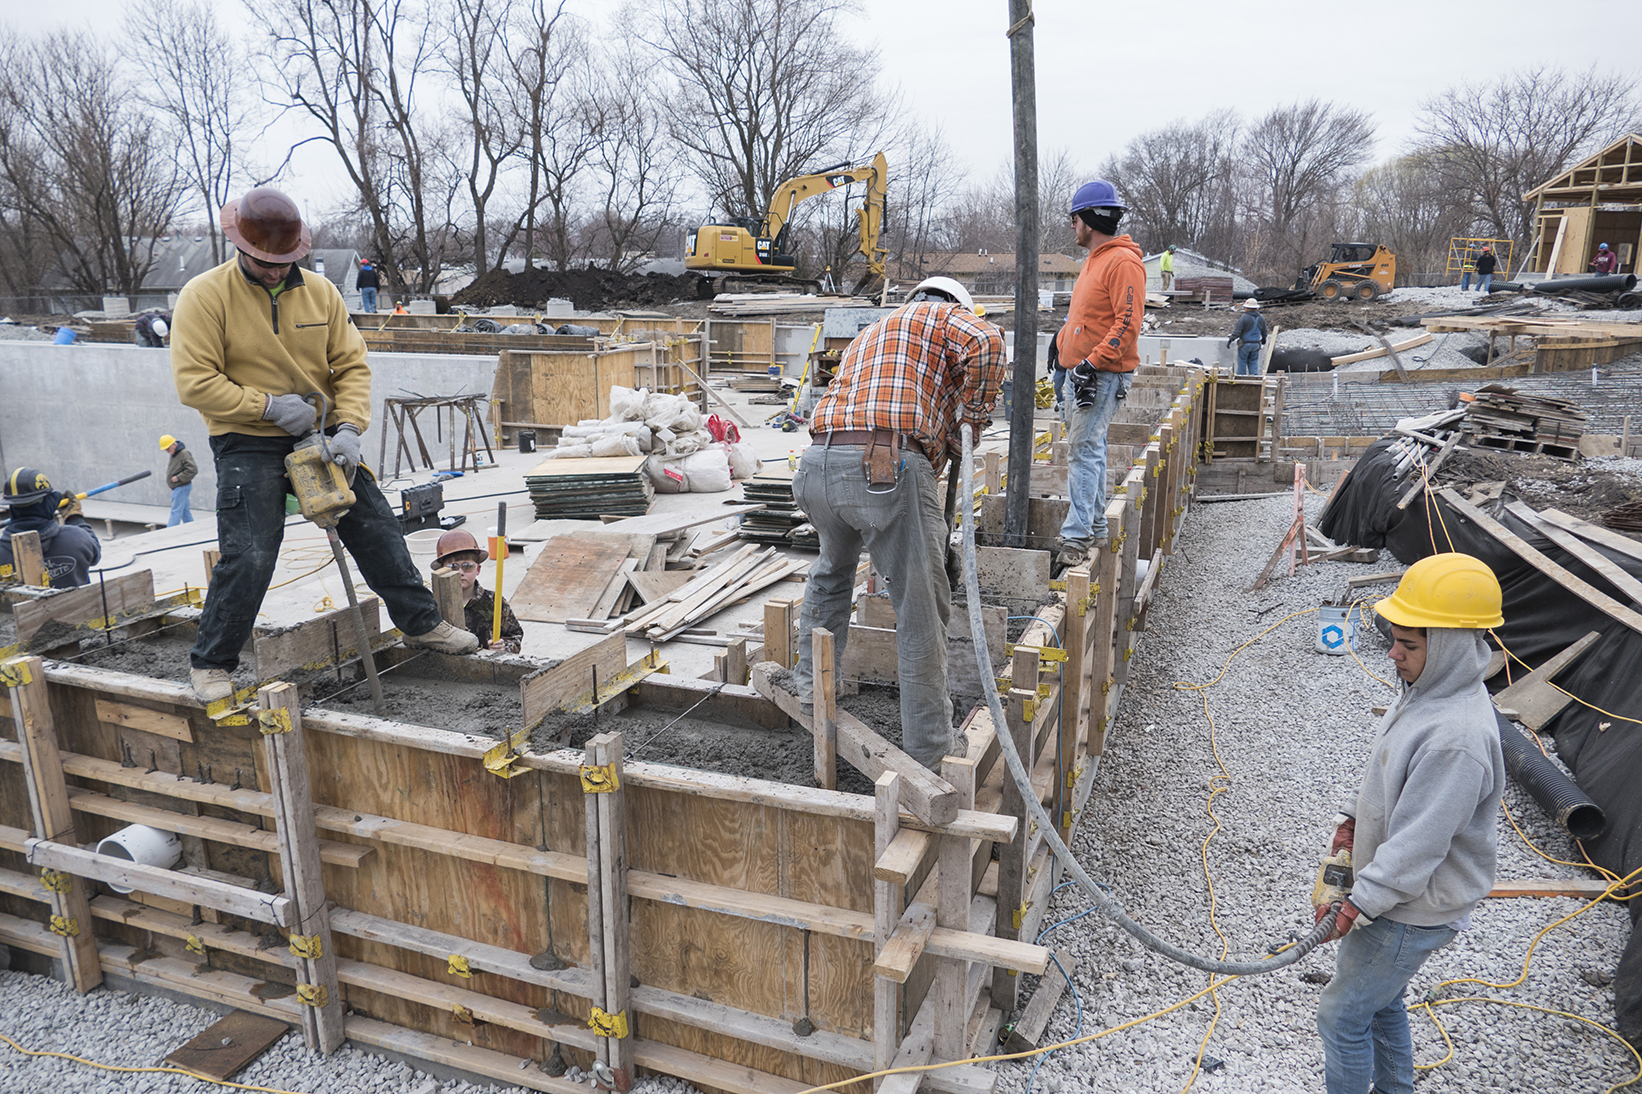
1293, 728
17, 332
126, 1030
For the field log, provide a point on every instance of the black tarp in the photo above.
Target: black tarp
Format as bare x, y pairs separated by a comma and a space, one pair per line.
1541, 619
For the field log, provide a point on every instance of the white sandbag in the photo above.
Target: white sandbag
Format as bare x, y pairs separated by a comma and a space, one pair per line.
743, 463
626, 404
665, 476
615, 444
568, 452
707, 471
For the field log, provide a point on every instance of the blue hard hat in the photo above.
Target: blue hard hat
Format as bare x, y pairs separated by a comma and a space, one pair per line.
1098, 194
1602, 246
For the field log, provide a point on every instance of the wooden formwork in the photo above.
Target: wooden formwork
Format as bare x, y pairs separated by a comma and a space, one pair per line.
549, 389
776, 936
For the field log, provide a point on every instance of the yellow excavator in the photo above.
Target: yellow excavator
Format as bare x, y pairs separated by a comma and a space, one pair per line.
751, 254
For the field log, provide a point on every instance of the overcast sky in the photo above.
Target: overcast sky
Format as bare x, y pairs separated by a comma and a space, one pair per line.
1108, 72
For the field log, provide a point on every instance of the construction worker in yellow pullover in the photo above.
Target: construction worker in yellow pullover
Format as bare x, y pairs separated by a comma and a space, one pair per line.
250, 341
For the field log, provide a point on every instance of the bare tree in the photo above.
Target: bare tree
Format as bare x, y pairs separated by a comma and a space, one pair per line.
548, 55
1059, 177
1300, 155
765, 90
924, 179
353, 68
635, 168
80, 163
1490, 144
1408, 206
198, 80
475, 59
1171, 178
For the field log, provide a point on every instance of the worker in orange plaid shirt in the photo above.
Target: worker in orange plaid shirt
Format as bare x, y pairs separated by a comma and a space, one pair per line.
879, 438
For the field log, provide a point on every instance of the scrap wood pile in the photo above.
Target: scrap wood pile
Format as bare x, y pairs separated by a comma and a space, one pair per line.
745, 572
1498, 417
583, 579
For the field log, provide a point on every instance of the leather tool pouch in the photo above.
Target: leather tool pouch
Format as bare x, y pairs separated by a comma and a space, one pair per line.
881, 460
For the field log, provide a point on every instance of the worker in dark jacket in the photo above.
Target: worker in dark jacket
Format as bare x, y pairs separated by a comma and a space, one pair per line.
1485, 270
68, 544
367, 282
179, 476
458, 550
1249, 335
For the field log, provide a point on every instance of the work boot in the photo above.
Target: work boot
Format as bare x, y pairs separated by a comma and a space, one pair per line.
445, 638
1069, 553
211, 684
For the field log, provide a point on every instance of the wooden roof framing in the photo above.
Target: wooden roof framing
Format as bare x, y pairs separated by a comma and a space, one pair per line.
1612, 176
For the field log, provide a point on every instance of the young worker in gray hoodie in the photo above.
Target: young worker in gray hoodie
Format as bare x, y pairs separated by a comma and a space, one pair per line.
1424, 832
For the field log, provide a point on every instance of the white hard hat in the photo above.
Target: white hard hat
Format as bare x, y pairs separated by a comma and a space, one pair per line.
160, 328
949, 288
1251, 302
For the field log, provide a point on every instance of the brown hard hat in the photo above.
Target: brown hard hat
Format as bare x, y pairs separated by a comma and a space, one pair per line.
455, 542
266, 225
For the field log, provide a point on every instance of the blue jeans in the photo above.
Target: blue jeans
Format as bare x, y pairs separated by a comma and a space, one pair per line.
1086, 479
367, 299
904, 529
1465, 280
251, 489
1059, 376
1361, 1016
1248, 358
1485, 282
180, 513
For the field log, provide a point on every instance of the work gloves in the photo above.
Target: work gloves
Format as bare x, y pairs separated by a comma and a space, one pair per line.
1344, 835
1084, 378
292, 413
1343, 922
345, 449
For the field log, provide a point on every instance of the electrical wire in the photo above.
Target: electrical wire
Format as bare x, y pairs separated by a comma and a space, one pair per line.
138, 1070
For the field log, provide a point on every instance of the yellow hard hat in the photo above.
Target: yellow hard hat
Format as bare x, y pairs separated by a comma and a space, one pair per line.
1447, 590
167, 441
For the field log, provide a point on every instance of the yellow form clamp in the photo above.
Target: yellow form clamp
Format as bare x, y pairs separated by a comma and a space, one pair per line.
196, 946
56, 882
1045, 653
499, 760
606, 1024
308, 946
15, 674
312, 995
68, 928
274, 720
600, 779
458, 966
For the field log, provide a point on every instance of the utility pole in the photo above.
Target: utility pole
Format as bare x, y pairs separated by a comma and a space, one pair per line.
1023, 82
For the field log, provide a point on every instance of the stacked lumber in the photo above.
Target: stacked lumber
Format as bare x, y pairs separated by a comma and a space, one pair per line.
745, 572
1214, 290
1500, 418
780, 522
590, 488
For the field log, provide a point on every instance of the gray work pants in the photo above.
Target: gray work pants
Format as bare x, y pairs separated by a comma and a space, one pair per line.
904, 530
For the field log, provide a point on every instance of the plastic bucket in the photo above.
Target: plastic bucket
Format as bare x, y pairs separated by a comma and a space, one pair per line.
140, 843
527, 440
424, 548
1336, 629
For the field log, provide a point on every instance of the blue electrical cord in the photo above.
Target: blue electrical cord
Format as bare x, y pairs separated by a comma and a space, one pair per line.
1076, 998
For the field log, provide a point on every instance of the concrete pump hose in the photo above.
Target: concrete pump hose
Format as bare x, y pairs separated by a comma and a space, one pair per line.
1104, 901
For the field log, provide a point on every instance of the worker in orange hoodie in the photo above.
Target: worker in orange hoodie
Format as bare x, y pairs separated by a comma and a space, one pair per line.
1099, 345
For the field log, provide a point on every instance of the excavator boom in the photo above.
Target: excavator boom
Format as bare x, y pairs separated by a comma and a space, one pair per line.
762, 251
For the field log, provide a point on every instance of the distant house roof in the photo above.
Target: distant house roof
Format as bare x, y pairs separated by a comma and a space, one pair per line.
179, 259
1192, 264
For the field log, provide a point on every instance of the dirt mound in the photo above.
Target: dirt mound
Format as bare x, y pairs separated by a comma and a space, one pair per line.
589, 289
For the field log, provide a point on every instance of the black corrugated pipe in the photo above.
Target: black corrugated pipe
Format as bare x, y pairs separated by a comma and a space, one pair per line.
1556, 793
1608, 283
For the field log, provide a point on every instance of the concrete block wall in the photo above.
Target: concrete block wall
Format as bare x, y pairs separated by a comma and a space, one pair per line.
91, 413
